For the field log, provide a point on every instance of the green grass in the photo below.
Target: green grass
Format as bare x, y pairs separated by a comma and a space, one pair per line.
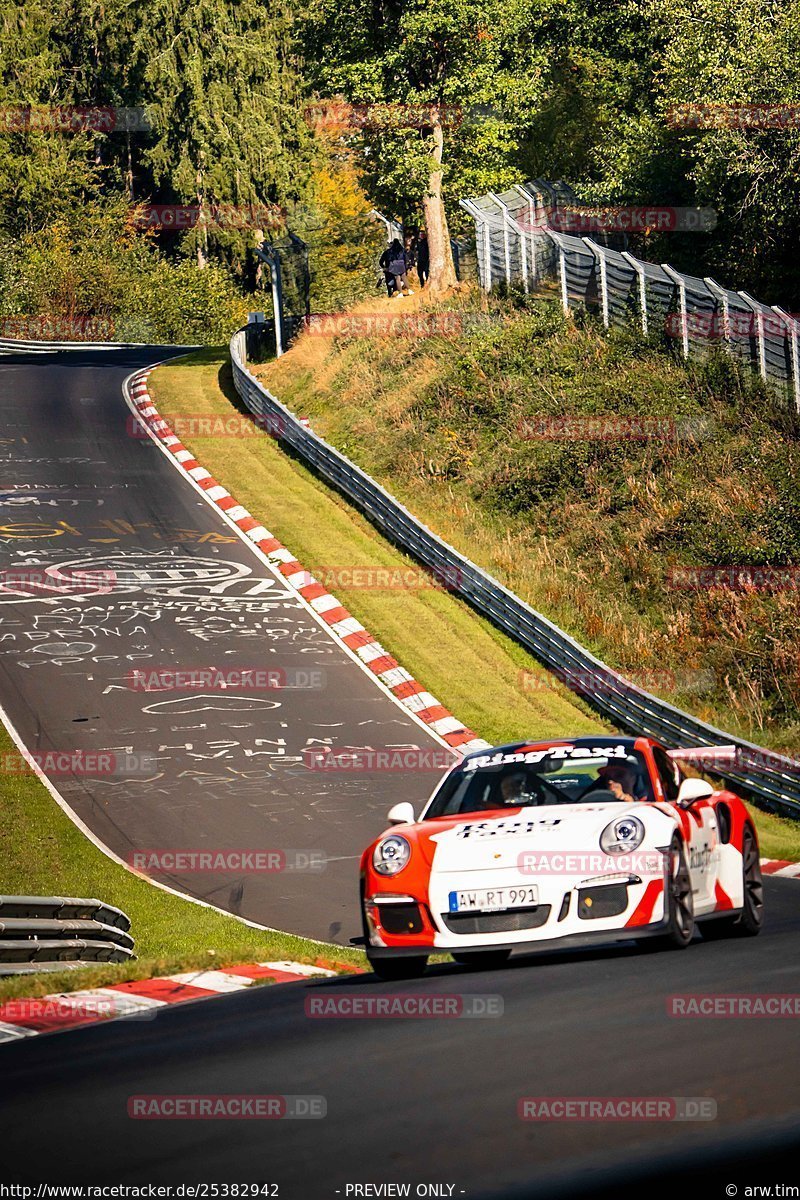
778, 837
42, 853
483, 677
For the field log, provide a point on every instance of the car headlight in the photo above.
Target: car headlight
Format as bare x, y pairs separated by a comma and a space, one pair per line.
622, 835
391, 855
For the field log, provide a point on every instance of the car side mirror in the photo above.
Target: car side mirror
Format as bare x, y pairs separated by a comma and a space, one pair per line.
401, 814
693, 789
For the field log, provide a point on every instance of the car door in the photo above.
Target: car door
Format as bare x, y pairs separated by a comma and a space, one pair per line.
701, 827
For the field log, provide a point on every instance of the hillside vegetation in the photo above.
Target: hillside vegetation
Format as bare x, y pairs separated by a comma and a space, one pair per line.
587, 531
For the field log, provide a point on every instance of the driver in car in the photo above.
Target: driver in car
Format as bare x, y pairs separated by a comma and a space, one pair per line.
618, 778
512, 788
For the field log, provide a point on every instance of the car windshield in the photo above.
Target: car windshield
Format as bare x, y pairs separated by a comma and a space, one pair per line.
553, 775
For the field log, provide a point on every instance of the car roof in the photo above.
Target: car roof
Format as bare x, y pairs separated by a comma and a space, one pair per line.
630, 743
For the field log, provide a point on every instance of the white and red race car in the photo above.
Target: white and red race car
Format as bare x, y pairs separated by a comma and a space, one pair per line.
559, 842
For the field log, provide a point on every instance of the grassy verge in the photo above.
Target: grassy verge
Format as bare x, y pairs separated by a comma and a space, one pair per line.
487, 680
43, 854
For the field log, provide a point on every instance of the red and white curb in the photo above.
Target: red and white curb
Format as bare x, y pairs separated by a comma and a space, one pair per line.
341, 624
29, 1016
780, 868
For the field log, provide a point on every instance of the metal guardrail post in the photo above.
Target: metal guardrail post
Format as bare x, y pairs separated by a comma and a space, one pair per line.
642, 279
722, 296
531, 234
270, 256
600, 259
562, 269
762, 350
677, 278
506, 245
480, 220
792, 331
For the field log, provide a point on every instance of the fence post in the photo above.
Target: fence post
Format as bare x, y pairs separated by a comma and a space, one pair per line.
721, 295
270, 256
562, 268
676, 278
762, 353
531, 227
639, 269
600, 258
506, 245
393, 228
481, 225
791, 326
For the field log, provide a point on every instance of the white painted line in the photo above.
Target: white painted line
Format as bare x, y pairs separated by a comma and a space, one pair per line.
297, 968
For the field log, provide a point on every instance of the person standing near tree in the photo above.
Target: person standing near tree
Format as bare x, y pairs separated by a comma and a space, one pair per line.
423, 258
395, 262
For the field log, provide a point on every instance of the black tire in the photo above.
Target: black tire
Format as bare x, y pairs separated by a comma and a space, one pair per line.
679, 900
482, 960
399, 968
748, 922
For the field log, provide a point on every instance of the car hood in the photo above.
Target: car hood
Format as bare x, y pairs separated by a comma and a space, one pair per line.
482, 842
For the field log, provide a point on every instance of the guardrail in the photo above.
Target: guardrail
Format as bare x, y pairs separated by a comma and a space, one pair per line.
516, 245
40, 933
771, 779
17, 346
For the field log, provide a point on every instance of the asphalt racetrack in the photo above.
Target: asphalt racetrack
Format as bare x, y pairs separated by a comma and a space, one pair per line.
432, 1099
195, 770
418, 1101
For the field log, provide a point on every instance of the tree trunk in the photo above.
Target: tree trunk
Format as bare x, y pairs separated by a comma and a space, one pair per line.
442, 269
202, 227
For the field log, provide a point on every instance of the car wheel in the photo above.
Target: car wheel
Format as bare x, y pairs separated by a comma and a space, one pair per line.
679, 900
482, 960
749, 921
399, 968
